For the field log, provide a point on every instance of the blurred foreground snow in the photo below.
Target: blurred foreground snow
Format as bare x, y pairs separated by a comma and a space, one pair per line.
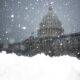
39, 67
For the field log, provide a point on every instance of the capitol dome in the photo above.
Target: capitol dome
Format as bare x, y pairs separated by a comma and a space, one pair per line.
50, 25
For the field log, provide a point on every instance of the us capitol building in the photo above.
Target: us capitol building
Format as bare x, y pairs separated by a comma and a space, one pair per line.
50, 25
50, 40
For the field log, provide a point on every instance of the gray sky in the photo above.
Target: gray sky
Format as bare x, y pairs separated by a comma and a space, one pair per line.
19, 18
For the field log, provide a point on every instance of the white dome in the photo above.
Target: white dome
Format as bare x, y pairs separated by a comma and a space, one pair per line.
51, 20
50, 25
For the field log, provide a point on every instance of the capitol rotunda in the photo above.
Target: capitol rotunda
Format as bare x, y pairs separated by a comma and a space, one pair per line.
50, 25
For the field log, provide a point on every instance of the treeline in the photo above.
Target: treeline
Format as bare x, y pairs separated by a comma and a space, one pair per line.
52, 46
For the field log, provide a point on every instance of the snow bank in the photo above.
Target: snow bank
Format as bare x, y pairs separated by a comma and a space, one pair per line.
39, 67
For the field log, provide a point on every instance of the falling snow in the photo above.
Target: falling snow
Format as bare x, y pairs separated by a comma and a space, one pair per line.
18, 13
24, 28
12, 16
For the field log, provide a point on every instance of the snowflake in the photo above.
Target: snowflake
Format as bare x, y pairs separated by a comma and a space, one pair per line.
46, 4
12, 16
61, 44
0, 38
7, 38
19, 25
37, 0
43, 25
58, 36
32, 8
49, 51
26, 8
6, 32
37, 47
68, 19
67, 4
51, 3
51, 39
24, 28
78, 53
19, 2
36, 28
43, 32
64, 16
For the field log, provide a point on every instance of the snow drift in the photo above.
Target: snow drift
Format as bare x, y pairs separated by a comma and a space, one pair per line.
39, 67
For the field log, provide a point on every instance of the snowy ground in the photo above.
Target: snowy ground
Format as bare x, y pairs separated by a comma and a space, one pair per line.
39, 67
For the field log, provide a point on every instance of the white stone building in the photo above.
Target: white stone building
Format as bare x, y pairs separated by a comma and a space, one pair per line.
50, 25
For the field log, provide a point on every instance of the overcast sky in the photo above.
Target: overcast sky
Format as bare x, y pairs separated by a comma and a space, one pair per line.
19, 18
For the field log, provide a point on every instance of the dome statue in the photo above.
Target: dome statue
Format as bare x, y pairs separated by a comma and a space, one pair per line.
50, 25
